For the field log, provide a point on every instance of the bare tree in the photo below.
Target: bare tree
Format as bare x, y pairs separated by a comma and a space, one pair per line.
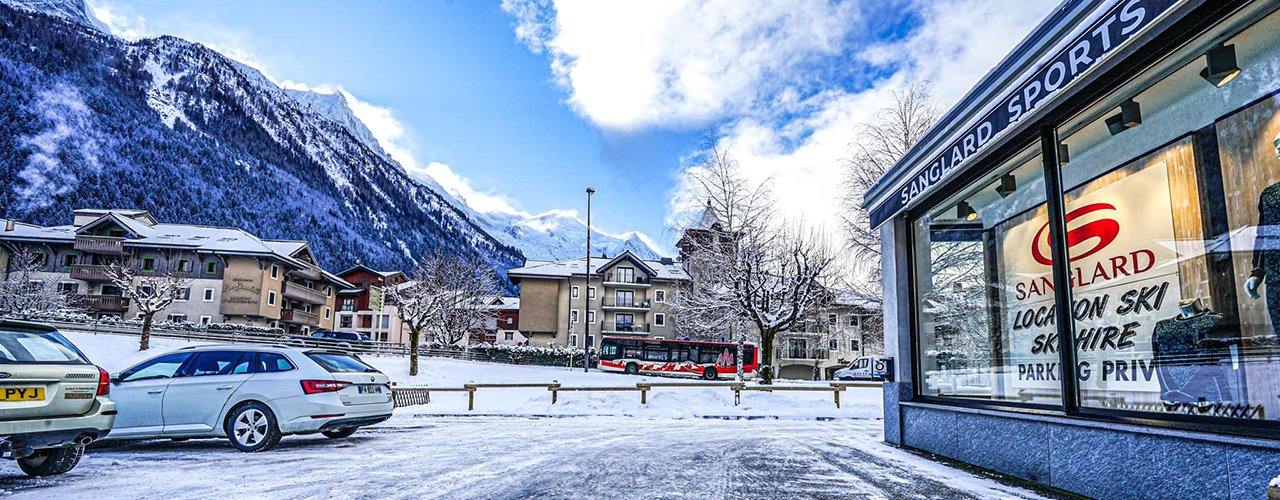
445, 299
877, 146
747, 266
24, 292
150, 293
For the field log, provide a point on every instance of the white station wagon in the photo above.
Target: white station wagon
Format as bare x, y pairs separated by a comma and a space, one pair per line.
251, 394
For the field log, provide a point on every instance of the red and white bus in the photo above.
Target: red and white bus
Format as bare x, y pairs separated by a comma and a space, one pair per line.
709, 360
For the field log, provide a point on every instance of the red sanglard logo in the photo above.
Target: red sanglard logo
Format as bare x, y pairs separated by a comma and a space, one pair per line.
1103, 231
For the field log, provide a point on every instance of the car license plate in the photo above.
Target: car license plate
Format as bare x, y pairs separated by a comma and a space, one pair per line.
22, 394
369, 389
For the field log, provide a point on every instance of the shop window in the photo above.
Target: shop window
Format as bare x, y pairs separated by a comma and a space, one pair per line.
985, 309
1172, 196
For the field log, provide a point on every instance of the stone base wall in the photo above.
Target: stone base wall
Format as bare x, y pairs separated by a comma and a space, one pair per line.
1095, 459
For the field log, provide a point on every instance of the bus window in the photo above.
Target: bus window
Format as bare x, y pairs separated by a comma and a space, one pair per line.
608, 351
633, 353
656, 353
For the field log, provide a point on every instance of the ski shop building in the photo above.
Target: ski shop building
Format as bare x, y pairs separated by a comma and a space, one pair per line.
1082, 258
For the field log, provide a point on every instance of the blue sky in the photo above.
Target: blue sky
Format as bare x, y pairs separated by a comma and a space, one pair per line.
527, 104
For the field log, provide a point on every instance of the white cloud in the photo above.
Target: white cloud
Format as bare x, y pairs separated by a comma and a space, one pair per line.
121, 21
460, 187
682, 63
959, 41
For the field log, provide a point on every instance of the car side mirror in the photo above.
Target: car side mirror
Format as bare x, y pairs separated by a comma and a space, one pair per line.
115, 379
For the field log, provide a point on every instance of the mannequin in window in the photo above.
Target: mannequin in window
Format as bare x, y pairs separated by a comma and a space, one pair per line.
1186, 355
1266, 249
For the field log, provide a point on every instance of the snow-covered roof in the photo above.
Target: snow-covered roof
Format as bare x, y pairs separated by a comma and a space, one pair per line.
362, 267
190, 237
577, 267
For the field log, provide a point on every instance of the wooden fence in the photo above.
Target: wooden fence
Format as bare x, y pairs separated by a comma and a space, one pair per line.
409, 396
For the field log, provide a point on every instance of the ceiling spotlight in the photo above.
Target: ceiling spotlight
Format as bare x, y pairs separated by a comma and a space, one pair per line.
1130, 113
1115, 124
1064, 155
1130, 116
1220, 67
966, 212
1008, 184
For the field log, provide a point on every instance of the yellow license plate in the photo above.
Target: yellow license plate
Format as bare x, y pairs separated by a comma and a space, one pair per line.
21, 394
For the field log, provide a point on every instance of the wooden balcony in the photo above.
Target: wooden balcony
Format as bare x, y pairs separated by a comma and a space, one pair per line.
300, 293
107, 303
105, 245
86, 272
299, 317
309, 273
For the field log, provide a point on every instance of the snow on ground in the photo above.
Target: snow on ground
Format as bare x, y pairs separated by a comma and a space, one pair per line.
115, 353
492, 457
515, 446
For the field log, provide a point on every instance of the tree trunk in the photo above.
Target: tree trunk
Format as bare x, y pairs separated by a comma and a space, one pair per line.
413, 351
737, 332
766, 356
144, 341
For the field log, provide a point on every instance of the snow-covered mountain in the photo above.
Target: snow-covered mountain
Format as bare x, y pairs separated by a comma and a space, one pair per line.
560, 234
178, 129
72, 10
185, 84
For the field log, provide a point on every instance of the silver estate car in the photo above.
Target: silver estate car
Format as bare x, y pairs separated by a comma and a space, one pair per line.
53, 401
251, 394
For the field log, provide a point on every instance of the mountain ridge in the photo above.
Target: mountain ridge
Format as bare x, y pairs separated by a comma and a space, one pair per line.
93, 120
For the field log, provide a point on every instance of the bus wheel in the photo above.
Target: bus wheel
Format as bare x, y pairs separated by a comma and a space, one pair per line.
632, 369
710, 374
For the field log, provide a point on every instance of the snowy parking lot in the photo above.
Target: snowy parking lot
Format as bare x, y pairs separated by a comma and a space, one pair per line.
686, 442
514, 457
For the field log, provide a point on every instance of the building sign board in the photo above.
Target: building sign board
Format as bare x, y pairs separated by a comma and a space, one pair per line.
1124, 279
1100, 40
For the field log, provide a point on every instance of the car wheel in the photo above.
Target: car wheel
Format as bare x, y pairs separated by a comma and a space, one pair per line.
340, 433
710, 374
632, 369
252, 428
51, 461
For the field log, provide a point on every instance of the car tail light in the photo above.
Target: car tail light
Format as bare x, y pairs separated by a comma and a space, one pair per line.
104, 382
319, 386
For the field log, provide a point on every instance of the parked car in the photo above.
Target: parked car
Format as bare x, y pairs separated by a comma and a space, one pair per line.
342, 340
862, 369
250, 394
53, 401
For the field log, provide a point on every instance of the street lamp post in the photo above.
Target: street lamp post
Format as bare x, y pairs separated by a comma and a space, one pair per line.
586, 293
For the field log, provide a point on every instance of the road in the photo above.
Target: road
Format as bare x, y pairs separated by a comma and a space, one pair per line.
513, 457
